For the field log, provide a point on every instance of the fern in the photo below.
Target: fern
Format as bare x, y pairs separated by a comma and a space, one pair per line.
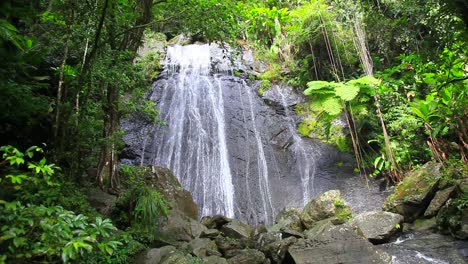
332, 106
318, 85
346, 92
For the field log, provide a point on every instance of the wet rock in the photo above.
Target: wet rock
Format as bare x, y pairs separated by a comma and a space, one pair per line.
226, 244
336, 244
237, 229
214, 260
155, 255
463, 233
439, 200
209, 233
449, 218
326, 205
247, 256
274, 247
166, 183
378, 227
285, 233
180, 40
318, 228
178, 227
412, 196
177, 258
203, 247
421, 225
101, 201
215, 222
259, 230
427, 247
289, 219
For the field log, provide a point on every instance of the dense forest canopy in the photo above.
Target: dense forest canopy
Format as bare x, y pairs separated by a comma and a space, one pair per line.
397, 71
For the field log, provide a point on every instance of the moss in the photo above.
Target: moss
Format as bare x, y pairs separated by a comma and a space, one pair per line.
343, 211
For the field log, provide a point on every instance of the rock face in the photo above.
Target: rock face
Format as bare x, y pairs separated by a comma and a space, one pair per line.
326, 205
260, 140
336, 244
413, 194
377, 227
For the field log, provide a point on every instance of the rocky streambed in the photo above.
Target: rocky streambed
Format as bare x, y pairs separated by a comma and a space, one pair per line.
324, 231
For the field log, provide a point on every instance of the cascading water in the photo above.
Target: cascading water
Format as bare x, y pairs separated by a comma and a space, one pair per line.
193, 144
306, 160
237, 152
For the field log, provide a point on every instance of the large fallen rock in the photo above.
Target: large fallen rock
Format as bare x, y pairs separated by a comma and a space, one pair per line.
102, 201
412, 196
214, 260
166, 183
288, 219
215, 221
326, 205
178, 227
247, 256
226, 244
203, 247
155, 255
336, 244
237, 229
378, 227
439, 200
274, 247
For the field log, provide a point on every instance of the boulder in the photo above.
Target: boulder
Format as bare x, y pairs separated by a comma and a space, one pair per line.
210, 233
248, 256
237, 229
439, 200
290, 218
178, 227
336, 244
203, 247
226, 244
412, 196
214, 260
326, 205
165, 182
421, 225
463, 232
177, 257
155, 255
378, 227
215, 222
103, 202
318, 228
274, 247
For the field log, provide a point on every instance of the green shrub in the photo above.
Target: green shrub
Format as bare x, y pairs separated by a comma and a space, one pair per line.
44, 232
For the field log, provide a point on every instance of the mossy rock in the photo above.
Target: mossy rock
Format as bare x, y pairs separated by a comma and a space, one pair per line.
412, 195
326, 205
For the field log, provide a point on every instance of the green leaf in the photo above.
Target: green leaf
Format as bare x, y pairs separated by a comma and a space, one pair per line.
332, 106
317, 85
346, 92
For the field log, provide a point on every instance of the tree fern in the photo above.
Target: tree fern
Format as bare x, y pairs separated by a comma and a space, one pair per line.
332, 106
346, 92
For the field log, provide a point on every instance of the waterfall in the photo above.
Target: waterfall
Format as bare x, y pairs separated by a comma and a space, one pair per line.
193, 143
237, 152
305, 160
